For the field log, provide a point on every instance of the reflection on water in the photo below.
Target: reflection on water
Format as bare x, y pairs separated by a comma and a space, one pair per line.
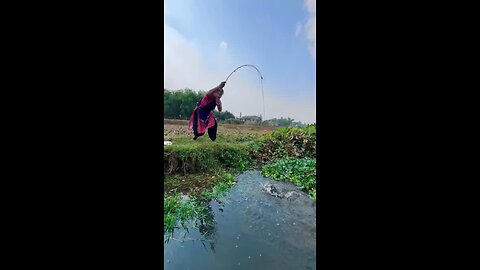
206, 227
248, 229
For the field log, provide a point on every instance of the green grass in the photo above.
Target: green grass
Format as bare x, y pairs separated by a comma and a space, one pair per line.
198, 183
205, 140
220, 188
177, 212
205, 157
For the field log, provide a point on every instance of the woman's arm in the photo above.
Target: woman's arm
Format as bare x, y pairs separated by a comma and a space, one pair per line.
219, 104
213, 90
216, 88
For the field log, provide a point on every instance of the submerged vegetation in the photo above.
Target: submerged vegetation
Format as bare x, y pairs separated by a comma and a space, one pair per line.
178, 210
205, 170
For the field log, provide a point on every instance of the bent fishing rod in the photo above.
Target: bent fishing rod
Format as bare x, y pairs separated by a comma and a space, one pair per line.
261, 82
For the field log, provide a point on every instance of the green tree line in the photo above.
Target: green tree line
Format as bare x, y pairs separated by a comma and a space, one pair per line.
284, 122
180, 104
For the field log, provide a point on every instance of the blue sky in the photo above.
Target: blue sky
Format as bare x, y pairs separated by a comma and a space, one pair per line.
206, 40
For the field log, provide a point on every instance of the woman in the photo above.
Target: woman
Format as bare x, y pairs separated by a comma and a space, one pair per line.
202, 118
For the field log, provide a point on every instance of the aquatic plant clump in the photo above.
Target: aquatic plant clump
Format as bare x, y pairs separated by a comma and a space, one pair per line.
300, 171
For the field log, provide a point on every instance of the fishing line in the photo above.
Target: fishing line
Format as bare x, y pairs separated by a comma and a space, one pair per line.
261, 82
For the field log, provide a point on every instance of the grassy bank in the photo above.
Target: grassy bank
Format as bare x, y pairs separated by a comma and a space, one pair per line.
205, 156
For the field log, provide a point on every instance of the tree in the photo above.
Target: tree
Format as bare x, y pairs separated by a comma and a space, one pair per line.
282, 122
222, 116
180, 104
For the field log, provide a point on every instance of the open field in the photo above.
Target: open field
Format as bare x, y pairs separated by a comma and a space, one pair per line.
177, 131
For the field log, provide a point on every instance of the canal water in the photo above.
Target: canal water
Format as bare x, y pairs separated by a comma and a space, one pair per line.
248, 229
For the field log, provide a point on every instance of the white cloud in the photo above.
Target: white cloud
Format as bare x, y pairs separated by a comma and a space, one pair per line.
298, 30
223, 45
311, 26
185, 67
311, 5
183, 63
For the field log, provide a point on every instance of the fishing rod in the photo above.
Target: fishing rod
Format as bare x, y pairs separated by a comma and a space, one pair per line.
261, 82
247, 65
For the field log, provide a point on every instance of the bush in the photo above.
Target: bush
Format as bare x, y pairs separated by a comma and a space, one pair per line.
296, 142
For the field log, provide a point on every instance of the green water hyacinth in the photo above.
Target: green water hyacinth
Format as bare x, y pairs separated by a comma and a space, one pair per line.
300, 171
